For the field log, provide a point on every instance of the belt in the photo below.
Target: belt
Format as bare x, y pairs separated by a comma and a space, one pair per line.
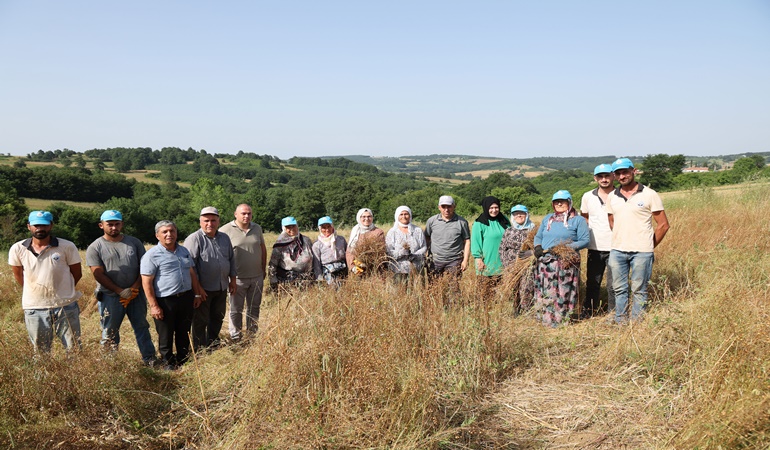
177, 295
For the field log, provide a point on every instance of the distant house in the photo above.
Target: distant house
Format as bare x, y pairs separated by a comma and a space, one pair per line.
695, 169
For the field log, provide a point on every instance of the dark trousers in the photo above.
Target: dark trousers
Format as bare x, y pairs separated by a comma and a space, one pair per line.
175, 326
451, 272
207, 319
595, 268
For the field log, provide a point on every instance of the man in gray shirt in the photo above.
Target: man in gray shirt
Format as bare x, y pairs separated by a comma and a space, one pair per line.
251, 266
212, 253
449, 240
114, 261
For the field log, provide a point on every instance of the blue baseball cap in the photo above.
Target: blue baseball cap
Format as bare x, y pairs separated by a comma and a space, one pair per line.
622, 163
288, 221
562, 195
603, 168
324, 220
520, 208
40, 218
111, 214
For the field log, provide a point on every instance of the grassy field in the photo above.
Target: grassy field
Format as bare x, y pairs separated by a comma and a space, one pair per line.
41, 203
375, 366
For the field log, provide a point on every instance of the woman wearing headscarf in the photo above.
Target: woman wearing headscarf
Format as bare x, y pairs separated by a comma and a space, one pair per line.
510, 250
292, 258
363, 234
405, 245
329, 252
486, 234
557, 275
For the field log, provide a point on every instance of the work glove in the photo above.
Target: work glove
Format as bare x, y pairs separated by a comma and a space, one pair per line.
525, 254
539, 251
126, 301
125, 293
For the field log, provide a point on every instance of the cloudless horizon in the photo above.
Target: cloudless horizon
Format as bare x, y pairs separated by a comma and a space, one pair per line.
510, 79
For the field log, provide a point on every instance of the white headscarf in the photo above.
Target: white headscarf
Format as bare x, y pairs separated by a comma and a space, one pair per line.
398, 224
360, 229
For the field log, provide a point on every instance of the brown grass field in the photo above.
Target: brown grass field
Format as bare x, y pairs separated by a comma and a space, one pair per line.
373, 365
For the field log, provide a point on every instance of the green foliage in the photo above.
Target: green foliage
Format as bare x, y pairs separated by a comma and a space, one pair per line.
74, 183
13, 215
660, 170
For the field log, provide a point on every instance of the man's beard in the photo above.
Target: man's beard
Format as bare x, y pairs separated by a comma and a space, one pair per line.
40, 234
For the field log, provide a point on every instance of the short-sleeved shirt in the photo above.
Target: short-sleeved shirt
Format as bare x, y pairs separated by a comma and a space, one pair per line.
171, 269
214, 259
247, 246
447, 237
632, 230
598, 222
120, 260
48, 281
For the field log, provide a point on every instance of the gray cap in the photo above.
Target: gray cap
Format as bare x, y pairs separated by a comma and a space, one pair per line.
446, 200
209, 210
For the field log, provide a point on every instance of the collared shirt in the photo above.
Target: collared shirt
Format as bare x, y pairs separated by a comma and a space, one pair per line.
170, 268
598, 221
120, 260
632, 230
214, 259
48, 281
447, 237
247, 246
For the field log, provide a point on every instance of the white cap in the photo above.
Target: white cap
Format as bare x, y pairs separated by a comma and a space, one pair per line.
446, 200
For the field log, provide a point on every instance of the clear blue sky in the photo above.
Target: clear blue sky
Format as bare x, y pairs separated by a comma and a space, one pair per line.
312, 78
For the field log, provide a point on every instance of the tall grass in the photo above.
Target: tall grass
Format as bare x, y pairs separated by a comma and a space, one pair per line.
376, 365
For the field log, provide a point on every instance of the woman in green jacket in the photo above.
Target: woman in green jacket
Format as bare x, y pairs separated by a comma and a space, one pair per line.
486, 234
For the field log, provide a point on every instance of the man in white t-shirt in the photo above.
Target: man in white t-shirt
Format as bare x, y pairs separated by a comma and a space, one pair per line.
631, 208
48, 268
592, 208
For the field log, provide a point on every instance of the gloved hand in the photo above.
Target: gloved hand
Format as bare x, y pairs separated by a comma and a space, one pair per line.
525, 254
126, 301
539, 251
125, 293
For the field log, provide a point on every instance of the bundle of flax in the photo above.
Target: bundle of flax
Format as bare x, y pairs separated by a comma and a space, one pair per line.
370, 257
567, 255
523, 267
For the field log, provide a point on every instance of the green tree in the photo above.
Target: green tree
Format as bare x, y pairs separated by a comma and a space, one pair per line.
659, 170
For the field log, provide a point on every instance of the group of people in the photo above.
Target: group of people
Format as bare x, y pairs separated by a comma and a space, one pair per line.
187, 286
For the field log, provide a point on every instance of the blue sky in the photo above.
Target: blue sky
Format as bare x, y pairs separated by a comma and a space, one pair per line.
313, 78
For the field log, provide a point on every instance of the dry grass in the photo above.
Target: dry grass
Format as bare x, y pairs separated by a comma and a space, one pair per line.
373, 365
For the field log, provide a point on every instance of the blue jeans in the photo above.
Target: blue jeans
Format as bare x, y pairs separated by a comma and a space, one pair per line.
43, 323
640, 266
112, 314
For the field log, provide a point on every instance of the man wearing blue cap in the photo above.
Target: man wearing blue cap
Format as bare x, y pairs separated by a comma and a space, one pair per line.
592, 207
48, 268
631, 208
114, 261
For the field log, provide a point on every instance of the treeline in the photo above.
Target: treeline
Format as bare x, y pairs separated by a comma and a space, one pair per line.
306, 188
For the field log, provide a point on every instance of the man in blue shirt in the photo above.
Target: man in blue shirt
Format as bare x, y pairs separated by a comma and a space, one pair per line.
173, 291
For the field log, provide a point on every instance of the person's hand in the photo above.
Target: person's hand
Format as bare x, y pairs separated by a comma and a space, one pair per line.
464, 266
125, 293
525, 254
156, 312
480, 266
539, 251
126, 301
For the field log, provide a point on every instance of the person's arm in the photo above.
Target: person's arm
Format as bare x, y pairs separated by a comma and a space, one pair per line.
477, 240
583, 237
233, 272
200, 293
419, 238
316, 250
466, 255
611, 220
149, 291
264, 259
77, 272
585, 215
662, 226
18, 273
104, 280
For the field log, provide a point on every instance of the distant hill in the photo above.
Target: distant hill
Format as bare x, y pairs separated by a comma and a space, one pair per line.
466, 166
